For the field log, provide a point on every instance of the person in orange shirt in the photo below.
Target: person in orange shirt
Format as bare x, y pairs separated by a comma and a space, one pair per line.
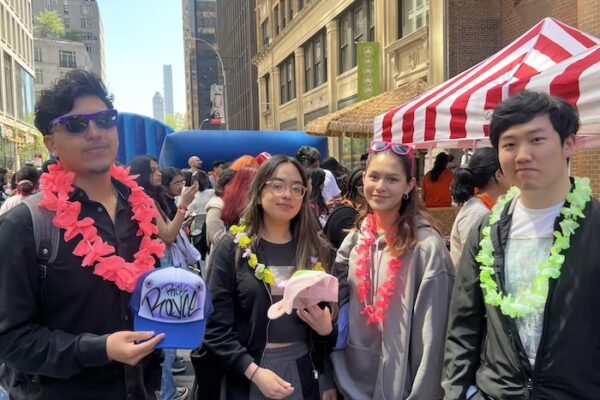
437, 182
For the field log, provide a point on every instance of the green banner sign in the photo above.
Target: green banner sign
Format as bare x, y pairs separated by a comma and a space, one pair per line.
368, 69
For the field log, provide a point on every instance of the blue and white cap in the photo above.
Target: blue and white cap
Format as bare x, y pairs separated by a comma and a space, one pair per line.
173, 301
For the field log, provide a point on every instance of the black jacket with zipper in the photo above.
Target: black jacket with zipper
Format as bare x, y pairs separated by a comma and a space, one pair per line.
236, 332
483, 346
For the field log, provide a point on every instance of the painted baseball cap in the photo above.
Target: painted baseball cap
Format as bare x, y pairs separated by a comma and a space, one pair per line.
304, 289
174, 301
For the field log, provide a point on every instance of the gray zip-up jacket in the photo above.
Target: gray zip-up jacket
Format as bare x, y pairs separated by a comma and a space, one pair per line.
405, 361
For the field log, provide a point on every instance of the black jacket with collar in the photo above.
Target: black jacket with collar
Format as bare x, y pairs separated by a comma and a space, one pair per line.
236, 332
483, 347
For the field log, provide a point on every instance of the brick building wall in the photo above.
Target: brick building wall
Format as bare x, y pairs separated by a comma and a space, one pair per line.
473, 32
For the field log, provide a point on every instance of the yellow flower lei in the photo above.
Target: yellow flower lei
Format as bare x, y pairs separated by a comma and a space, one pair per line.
533, 297
261, 271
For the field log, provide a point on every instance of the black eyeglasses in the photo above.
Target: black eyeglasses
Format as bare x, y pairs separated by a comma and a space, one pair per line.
78, 123
279, 187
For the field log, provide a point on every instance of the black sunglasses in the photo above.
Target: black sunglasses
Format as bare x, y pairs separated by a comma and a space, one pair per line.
78, 123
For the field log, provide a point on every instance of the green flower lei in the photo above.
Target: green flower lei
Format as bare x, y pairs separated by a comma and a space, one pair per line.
261, 271
533, 297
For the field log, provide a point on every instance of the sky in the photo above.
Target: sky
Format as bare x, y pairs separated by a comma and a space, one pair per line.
140, 36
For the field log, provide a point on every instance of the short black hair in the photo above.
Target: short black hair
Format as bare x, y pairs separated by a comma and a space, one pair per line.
525, 106
364, 157
308, 156
217, 163
58, 99
48, 163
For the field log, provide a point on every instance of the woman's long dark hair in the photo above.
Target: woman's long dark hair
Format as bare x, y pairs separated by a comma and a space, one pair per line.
141, 166
304, 226
412, 212
482, 168
440, 164
317, 179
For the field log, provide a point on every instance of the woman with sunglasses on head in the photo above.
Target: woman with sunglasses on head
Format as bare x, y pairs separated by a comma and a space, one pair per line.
394, 300
264, 358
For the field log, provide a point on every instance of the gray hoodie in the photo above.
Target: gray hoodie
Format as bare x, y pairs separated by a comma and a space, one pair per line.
405, 361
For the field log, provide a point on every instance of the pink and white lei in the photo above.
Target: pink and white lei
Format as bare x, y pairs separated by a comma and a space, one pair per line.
56, 187
376, 312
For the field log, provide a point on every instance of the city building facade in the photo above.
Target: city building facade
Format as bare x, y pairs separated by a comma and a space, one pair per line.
158, 107
236, 36
53, 58
168, 89
202, 65
307, 56
19, 141
83, 23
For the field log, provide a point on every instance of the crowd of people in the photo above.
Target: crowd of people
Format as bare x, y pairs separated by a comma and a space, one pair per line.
501, 314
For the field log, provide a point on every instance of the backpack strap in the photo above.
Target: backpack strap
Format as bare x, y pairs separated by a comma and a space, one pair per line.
46, 235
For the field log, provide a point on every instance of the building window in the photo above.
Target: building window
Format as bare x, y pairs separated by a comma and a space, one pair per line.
8, 84
88, 48
287, 73
67, 22
66, 59
315, 61
276, 18
282, 15
413, 15
37, 54
290, 9
85, 10
267, 92
264, 27
39, 77
356, 24
86, 23
300, 5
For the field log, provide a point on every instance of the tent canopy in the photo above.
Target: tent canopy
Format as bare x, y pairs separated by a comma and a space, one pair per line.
457, 113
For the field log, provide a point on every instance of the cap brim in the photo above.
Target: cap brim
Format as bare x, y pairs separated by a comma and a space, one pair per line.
276, 310
187, 336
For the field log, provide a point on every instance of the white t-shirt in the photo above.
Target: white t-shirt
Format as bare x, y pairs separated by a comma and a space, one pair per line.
469, 217
330, 188
529, 243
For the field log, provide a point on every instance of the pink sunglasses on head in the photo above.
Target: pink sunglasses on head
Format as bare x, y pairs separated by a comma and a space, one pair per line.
399, 148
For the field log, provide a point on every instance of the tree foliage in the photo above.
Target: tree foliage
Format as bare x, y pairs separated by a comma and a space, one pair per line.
177, 121
49, 24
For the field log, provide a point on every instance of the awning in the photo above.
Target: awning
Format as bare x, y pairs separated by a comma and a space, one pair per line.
357, 120
459, 110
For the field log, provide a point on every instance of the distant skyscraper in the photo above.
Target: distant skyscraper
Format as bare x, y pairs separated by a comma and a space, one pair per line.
82, 23
168, 89
236, 35
158, 107
201, 65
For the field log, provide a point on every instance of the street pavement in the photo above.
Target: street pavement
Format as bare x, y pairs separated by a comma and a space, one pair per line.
187, 378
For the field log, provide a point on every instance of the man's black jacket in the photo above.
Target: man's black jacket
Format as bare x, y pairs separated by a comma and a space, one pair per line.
483, 347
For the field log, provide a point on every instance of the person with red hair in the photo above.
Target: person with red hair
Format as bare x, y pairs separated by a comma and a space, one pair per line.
235, 197
244, 161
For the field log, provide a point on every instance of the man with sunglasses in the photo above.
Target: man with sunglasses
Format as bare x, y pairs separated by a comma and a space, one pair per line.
65, 330
522, 319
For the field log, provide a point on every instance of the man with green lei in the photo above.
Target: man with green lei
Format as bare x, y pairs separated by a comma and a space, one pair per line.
522, 319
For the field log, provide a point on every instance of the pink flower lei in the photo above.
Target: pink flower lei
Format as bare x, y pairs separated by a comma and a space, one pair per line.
56, 187
376, 312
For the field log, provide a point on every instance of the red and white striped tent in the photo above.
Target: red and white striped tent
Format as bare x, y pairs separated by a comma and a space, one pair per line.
457, 112
577, 80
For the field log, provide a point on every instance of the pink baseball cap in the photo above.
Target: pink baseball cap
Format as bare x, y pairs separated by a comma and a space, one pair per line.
304, 289
262, 157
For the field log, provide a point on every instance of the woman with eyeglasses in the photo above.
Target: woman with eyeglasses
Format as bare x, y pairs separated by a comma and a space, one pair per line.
394, 300
173, 182
285, 357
